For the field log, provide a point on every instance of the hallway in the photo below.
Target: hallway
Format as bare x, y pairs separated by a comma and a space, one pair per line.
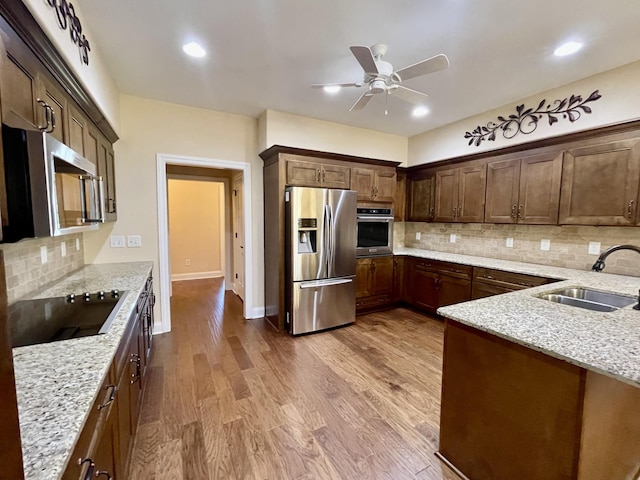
229, 398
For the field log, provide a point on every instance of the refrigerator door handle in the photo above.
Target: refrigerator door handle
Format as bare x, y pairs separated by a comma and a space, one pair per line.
330, 256
325, 283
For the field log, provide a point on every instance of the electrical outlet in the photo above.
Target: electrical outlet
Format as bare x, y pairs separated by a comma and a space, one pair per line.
43, 254
509, 242
116, 241
63, 249
187, 261
545, 245
134, 241
77, 244
418, 235
452, 238
594, 248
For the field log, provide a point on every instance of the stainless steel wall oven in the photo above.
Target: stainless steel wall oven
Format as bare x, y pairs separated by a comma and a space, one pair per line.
375, 232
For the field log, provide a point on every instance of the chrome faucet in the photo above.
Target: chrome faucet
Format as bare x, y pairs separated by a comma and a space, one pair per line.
599, 265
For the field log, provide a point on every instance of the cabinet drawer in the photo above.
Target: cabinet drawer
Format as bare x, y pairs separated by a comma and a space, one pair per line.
515, 281
451, 269
373, 301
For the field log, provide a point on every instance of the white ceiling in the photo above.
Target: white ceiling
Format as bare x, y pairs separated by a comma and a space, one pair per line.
265, 54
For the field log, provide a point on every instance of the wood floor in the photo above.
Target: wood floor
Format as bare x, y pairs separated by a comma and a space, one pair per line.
229, 398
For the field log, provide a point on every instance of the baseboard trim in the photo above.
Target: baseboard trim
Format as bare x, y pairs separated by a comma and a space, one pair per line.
257, 312
176, 277
455, 470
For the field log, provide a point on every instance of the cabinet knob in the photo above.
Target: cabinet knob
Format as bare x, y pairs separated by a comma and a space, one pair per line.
513, 211
520, 211
630, 209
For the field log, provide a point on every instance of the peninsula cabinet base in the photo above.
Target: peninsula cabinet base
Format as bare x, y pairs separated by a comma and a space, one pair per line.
510, 412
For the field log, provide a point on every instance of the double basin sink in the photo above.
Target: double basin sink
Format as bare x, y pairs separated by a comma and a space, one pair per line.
589, 299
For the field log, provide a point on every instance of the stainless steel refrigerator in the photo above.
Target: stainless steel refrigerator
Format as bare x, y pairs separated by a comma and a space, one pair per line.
320, 266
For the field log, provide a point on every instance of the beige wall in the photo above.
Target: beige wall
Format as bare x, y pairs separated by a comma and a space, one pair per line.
149, 127
620, 101
569, 244
95, 76
279, 128
195, 234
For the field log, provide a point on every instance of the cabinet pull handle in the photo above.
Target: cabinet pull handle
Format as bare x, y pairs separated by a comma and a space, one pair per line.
46, 115
630, 209
112, 396
135, 376
432, 212
103, 472
520, 211
91, 468
489, 277
323, 172
318, 175
513, 211
52, 118
454, 212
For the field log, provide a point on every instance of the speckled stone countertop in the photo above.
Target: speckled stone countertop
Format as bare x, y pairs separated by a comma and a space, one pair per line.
605, 342
57, 382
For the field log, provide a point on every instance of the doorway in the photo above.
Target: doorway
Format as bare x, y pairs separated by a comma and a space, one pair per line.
244, 173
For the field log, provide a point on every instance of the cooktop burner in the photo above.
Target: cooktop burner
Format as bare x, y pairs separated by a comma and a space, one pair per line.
45, 320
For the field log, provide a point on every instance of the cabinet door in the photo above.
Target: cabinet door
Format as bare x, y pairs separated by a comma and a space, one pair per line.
400, 198
78, 130
363, 277
92, 150
446, 195
472, 183
539, 196
125, 432
482, 290
422, 287
503, 184
335, 176
398, 279
57, 102
363, 181
18, 82
384, 185
421, 199
105, 452
382, 275
453, 290
106, 168
303, 174
600, 184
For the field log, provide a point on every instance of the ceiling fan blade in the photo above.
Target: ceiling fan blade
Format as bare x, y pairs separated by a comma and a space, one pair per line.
365, 59
408, 95
362, 101
430, 65
352, 84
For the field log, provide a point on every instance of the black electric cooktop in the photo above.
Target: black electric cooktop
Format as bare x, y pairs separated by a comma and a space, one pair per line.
45, 320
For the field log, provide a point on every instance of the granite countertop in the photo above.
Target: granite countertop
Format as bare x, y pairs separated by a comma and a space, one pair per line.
56, 383
605, 342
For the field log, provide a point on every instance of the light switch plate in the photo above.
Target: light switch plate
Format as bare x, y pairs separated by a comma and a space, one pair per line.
452, 238
43, 254
418, 235
63, 249
594, 248
116, 241
545, 245
509, 242
134, 241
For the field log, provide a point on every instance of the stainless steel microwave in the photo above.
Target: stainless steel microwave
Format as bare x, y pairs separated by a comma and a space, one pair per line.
375, 232
50, 189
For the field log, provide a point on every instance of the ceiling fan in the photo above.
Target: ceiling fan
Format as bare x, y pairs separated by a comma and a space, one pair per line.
379, 76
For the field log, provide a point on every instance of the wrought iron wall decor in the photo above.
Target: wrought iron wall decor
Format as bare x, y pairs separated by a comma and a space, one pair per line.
526, 121
67, 18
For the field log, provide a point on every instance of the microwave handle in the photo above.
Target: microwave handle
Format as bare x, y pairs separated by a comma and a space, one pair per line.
83, 196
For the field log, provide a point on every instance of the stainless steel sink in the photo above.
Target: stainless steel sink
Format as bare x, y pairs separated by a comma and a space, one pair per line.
590, 299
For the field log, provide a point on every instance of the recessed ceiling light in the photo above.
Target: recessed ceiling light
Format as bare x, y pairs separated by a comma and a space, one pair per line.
194, 50
420, 111
331, 88
567, 49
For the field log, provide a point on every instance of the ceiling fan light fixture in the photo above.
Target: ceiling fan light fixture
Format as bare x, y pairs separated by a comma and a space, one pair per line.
567, 48
332, 89
194, 49
420, 111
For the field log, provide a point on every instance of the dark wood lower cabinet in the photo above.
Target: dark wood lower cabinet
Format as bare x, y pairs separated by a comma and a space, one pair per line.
374, 282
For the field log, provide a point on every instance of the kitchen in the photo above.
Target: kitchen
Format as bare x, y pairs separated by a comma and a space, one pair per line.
202, 133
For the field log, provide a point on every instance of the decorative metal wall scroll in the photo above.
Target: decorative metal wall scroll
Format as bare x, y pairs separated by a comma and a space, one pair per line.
67, 18
526, 121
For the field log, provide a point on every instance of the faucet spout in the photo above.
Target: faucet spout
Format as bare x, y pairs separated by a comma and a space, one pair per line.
599, 265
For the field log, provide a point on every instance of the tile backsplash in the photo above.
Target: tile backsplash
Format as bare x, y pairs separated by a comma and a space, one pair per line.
24, 269
568, 244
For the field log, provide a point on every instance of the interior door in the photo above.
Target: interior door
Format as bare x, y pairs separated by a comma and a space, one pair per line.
238, 237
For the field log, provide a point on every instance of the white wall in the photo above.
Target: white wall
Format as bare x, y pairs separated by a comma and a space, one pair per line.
95, 77
303, 132
149, 127
620, 101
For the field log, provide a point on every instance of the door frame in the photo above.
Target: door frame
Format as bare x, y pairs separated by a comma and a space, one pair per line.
162, 160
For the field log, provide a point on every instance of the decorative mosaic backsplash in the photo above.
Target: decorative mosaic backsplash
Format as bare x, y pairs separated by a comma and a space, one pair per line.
568, 244
24, 269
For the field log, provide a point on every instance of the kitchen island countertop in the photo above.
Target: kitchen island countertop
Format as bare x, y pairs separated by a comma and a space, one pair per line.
56, 383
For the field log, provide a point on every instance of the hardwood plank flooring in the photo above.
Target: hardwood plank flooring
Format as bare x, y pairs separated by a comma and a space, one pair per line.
228, 398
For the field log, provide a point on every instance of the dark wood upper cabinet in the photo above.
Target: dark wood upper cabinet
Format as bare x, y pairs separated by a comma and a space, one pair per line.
56, 102
400, 198
460, 194
78, 127
600, 184
374, 184
421, 198
311, 174
524, 190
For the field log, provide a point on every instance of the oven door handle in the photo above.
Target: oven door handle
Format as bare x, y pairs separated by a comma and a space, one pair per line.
365, 219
